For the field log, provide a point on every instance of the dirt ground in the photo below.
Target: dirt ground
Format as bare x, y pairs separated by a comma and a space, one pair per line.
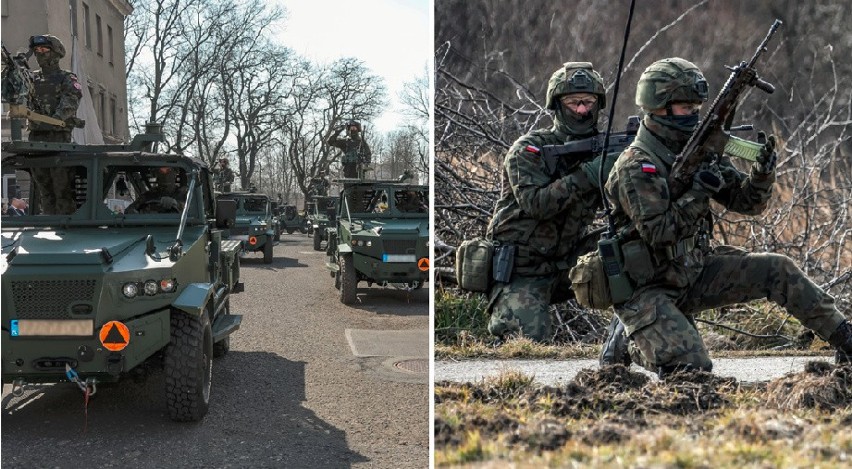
613, 417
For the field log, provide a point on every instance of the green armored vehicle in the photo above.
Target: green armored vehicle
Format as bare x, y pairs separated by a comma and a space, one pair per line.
380, 236
291, 219
92, 292
255, 227
324, 215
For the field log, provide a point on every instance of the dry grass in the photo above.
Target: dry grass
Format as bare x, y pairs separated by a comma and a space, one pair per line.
613, 417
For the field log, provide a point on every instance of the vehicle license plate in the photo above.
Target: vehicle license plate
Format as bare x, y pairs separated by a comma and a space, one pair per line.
52, 327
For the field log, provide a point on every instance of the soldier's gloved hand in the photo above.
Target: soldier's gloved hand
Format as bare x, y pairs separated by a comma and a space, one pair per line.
168, 203
768, 158
709, 179
592, 169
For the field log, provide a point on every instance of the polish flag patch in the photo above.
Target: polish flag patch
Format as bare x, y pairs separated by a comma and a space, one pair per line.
533, 149
649, 168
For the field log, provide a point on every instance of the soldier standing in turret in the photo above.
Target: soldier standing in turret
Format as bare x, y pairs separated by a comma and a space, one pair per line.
356, 152
223, 176
57, 94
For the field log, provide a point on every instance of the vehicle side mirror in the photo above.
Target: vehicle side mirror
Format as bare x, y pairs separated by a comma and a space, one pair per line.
150, 249
226, 213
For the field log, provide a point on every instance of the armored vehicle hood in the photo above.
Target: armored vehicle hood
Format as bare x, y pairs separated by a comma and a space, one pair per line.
112, 249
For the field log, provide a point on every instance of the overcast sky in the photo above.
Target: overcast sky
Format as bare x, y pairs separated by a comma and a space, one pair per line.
392, 37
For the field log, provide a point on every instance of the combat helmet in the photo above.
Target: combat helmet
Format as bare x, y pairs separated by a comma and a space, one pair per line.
670, 80
355, 123
50, 41
575, 77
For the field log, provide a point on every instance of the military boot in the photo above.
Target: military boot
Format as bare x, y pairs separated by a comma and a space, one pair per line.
841, 339
614, 349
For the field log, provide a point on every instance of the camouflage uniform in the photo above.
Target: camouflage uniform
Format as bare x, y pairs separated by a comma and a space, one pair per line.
356, 152
546, 215
676, 274
57, 94
223, 176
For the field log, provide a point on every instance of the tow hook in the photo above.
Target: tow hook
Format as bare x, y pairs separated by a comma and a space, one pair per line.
88, 386
18, 387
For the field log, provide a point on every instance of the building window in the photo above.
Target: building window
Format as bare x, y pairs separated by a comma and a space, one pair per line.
112, 116
100, 33
110, 46
72, 9
87, 26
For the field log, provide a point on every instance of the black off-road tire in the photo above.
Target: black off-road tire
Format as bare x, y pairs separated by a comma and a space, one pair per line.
348, 279
317, 240
277, 235
267, 252
289, 230
188, 367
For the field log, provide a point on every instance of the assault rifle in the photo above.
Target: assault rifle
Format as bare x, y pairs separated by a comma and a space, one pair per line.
711, 138
592, 146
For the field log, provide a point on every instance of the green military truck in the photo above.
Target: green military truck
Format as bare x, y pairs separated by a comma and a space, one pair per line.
324, 215
255, 226
380, 236
92, 293
291, 220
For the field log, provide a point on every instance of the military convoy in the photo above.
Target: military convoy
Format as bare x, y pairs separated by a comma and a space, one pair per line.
92, 295
380, 236
255, 226
291, 220
323, 214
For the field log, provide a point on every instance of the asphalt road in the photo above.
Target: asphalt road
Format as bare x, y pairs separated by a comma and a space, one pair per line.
291, 392
559, 372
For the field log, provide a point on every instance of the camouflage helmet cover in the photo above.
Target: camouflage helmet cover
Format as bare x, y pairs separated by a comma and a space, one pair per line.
50, 41
575, 77
355, 123
670, 80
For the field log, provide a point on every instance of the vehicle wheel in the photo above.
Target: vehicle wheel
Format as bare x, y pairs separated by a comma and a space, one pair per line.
267, 252
277, 235
221, 348
188, 367
289, 231
317, 240
303, 230
348, 279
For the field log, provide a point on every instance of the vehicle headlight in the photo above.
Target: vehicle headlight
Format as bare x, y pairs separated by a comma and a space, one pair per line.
130, 290
369, 243
151, 287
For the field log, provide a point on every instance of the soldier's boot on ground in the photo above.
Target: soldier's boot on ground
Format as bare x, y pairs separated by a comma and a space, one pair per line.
614, 349
841, 339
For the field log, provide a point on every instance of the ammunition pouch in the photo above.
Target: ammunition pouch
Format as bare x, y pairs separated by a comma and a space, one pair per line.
638, 262
599, 279
589, 282
678, 250
474, 264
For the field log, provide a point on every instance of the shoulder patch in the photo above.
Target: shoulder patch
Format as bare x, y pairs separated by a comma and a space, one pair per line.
649, 168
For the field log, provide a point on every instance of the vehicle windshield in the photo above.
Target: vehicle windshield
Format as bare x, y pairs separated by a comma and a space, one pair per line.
255, 205
94, 190
383, 201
